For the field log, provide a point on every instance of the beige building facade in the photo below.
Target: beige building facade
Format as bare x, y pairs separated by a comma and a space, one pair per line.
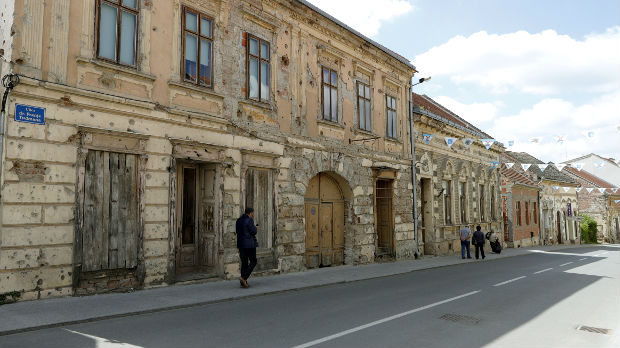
165, 119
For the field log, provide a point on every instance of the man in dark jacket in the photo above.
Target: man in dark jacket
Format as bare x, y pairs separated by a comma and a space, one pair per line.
479, 241
246, 243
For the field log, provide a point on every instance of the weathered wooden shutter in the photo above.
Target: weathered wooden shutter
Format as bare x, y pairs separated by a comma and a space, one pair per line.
110, 233
259, 195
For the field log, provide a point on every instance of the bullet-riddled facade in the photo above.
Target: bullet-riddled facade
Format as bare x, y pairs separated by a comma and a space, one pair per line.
163, 120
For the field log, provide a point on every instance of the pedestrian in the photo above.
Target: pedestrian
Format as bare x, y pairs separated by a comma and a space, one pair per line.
496, 247
247, 244
479, 242
465, 235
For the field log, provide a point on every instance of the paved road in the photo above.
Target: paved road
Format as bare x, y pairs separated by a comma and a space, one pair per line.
537, 300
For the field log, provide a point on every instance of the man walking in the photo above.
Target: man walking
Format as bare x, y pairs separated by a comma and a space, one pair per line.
465, 235
247, 244
479, 242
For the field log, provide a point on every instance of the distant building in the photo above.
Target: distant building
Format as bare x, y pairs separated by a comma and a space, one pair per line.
604, 168
601, 206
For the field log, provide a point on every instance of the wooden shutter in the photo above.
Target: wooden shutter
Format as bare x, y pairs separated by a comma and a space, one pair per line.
110, 233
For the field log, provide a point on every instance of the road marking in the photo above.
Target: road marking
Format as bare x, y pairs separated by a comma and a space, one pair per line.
381, 321
509, 281
582, 259
564, 264
104, 342
544, 270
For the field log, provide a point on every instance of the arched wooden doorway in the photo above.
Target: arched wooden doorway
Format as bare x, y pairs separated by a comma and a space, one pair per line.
324, 209
559, 217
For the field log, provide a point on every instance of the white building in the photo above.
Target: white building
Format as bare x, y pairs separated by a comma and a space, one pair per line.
604, 168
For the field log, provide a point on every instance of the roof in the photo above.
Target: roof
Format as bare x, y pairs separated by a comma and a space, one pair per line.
589, 177
358, 34
550, 173
610, 160
516, 174
444, 115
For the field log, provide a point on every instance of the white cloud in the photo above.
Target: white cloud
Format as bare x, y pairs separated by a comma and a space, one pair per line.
365, 16
542, 63
552, 117
474, 113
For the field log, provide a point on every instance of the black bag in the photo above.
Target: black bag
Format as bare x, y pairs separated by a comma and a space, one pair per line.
488, 235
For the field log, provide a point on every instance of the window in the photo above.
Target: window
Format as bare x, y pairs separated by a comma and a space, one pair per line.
535, 213
197, 48
463, 200
390, 103
493, 213
258, 58
330, 95
518, 213
447, 206
481, 207
363, 106
116, 31
259, 195
527, 213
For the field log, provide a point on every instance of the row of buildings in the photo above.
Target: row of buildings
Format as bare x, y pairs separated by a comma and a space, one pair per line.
137, 131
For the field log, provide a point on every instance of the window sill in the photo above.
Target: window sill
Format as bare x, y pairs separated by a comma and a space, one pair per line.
261, 105
364, 132
393, 140
117, 68
195, 88
330, 123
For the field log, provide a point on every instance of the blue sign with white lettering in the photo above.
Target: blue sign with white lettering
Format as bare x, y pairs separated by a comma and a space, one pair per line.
30, 114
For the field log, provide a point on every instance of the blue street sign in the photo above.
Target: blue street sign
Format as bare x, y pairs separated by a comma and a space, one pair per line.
30, 114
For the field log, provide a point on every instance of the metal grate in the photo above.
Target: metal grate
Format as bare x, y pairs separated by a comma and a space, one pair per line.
460, 318
594, 329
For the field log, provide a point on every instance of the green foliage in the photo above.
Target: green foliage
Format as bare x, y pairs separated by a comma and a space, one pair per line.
588, 229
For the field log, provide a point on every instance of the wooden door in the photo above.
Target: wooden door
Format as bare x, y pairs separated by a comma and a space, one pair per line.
385, 228
324, 211
559, 228
208, 247
187, 241
110, 232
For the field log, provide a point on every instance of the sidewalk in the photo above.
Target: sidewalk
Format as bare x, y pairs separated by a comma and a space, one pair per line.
28, 315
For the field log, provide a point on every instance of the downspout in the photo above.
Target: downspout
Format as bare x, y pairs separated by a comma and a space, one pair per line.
9, 81
413, 179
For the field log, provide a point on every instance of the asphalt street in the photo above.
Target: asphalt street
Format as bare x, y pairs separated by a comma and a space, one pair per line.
543, 299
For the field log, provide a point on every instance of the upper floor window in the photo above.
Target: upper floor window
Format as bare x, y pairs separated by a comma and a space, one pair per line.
527, 213
447, 200
363, 106
330, 94
391, 116
116, 31
258, 59
197, 47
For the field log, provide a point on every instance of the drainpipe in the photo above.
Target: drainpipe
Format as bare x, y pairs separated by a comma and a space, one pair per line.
9, 81
413, 180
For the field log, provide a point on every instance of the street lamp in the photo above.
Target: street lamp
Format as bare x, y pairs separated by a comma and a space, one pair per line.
413, 180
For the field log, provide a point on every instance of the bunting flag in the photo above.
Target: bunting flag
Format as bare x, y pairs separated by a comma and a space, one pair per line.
560, 166
555, 188
560, 138
494, 164
578, 166
525, 166
542, 167
601, 189
467, 142
450, 141
578, 189
599, 165
509, 165
535, 140
591, 134
487, 143
614, 190
427, 137
589, 189
512, 142
566, 189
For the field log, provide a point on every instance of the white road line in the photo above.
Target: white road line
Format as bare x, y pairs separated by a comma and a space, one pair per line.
509, 281
101, 342
381, 321
564, 264
582, 259
544, 270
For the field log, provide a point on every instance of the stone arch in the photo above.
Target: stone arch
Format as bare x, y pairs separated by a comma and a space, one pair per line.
326, 205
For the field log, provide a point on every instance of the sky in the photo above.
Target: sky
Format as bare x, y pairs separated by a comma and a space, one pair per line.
521, 70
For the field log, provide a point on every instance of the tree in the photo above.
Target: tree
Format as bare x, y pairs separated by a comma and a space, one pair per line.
588, 229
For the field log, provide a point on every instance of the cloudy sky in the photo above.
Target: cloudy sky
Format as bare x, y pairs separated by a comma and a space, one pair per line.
518, 69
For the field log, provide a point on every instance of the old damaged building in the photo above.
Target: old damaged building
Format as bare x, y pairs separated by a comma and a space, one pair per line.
139, 131
457, 185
